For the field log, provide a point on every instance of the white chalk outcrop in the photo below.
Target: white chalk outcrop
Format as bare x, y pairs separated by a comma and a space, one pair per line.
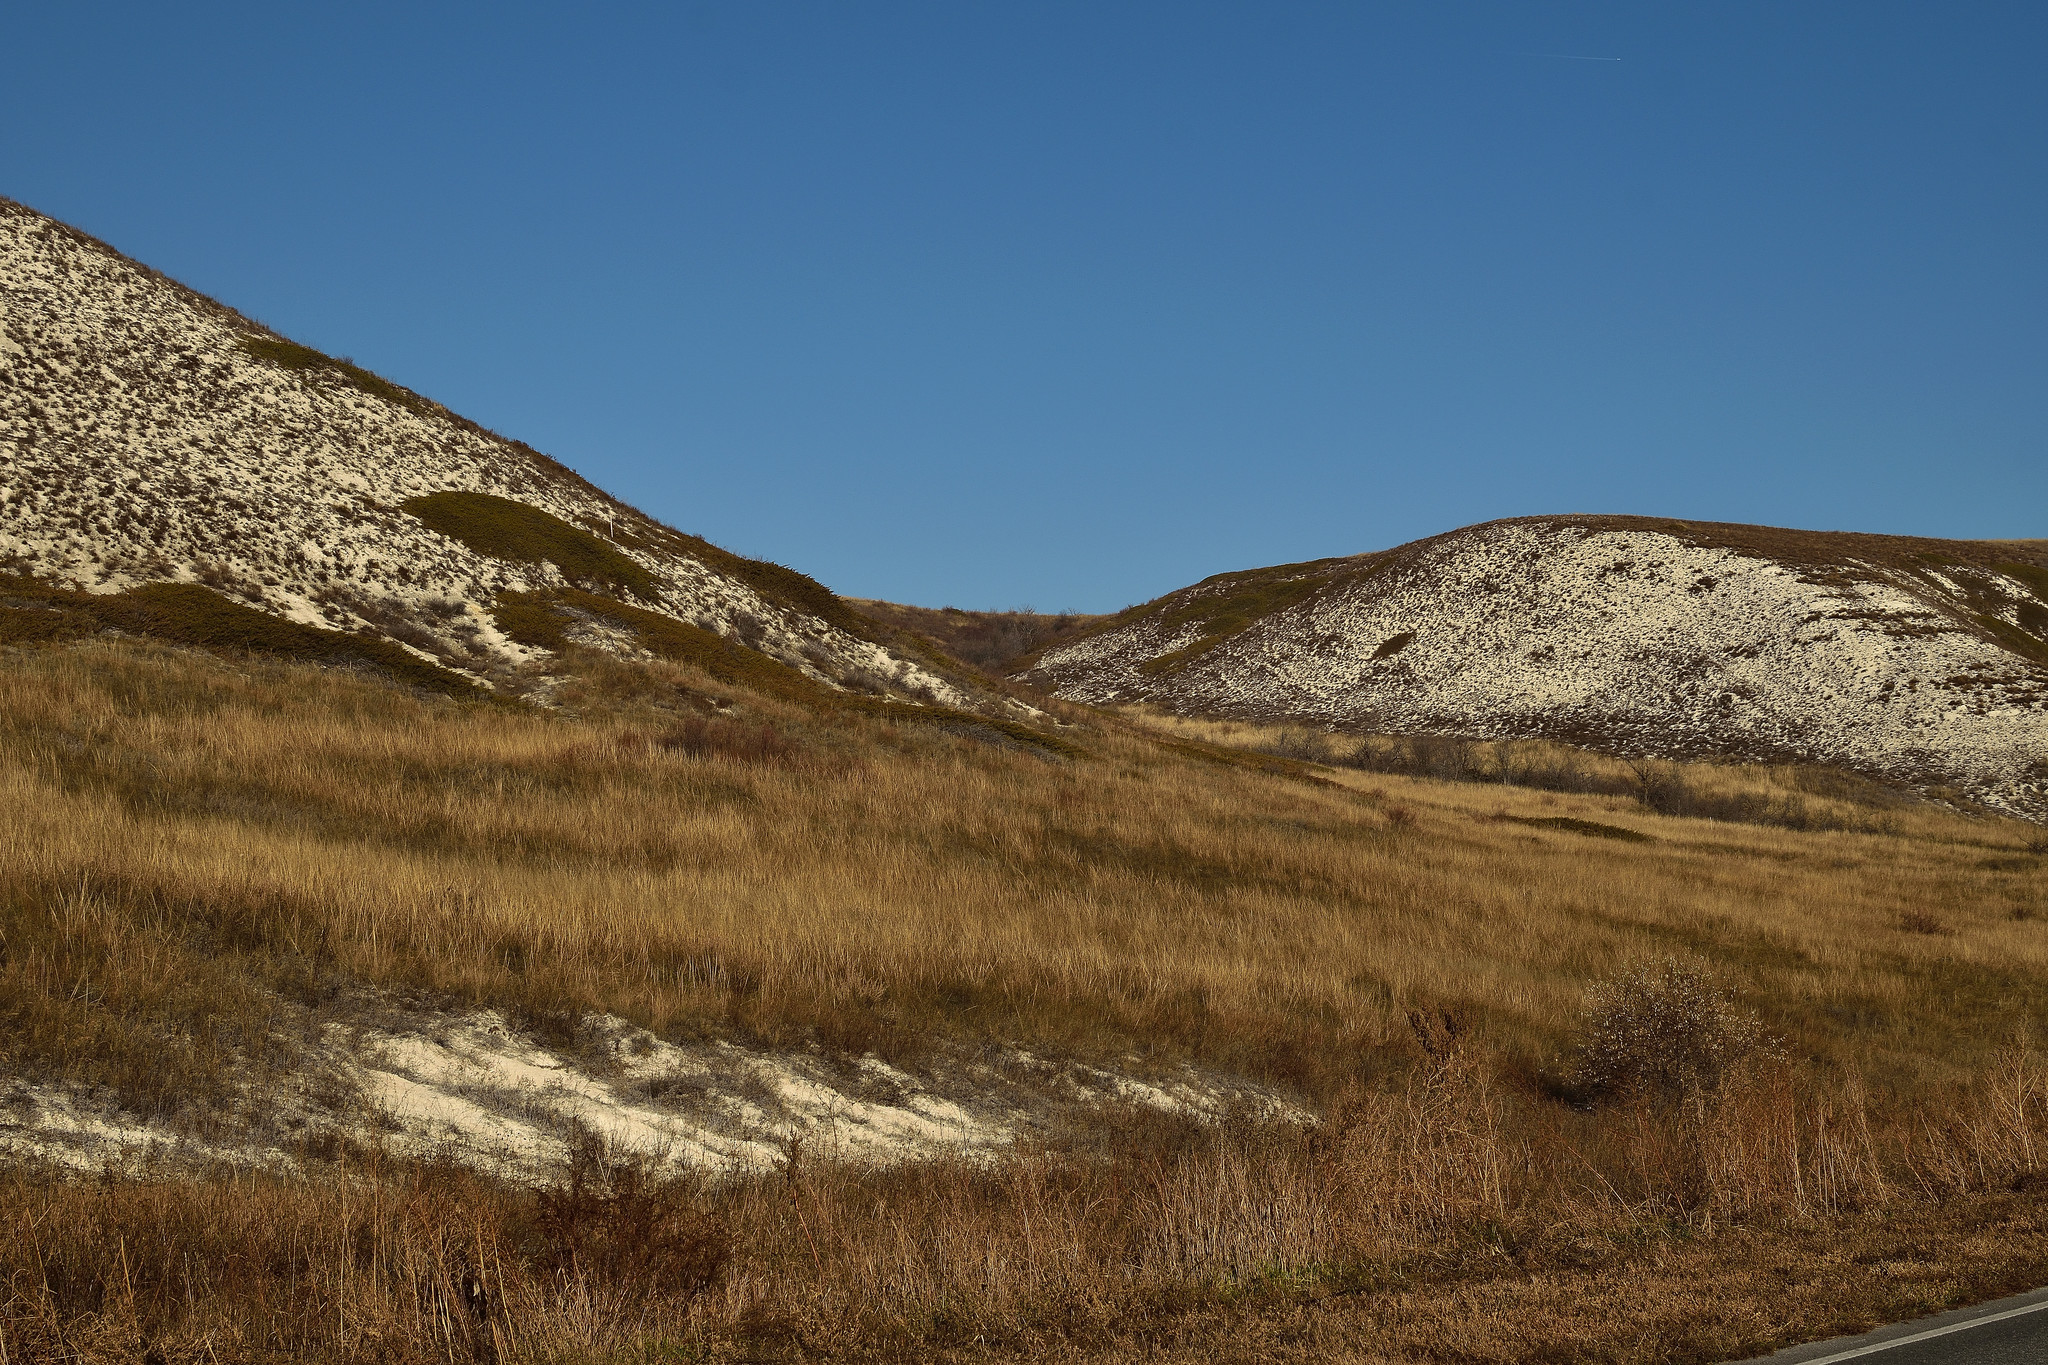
1915, 661
142, 440
472, 1088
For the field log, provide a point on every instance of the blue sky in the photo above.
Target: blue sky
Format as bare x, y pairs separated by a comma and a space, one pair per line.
1070, 305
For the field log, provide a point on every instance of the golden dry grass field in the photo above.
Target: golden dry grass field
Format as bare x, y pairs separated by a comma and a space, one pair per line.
191, 844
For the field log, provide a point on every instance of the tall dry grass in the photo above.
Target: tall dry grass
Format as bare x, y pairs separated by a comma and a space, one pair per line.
1786, 795
186, 845
188, 850
1446, 1179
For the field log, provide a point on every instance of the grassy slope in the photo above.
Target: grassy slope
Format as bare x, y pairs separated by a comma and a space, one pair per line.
190, 843
884, 878
997, 642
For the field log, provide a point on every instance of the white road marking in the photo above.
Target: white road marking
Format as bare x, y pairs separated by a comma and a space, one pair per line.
1929, 1334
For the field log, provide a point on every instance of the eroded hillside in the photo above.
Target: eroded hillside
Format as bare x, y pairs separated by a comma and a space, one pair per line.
1918, 661
151, 436
754, 999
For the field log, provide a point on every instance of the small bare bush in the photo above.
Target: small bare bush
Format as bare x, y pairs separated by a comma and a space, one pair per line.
700, 737
1663, 1032
632, 1227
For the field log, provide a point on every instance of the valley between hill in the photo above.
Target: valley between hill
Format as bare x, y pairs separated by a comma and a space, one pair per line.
447, 915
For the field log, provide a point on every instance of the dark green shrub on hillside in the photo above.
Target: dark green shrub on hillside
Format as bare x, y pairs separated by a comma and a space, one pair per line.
780, 583
531, 535
1252, 597
505, 529
188, 614
292, 356
38, 624
2033, 575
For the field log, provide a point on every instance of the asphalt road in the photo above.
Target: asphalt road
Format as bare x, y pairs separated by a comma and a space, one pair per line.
2011, 1331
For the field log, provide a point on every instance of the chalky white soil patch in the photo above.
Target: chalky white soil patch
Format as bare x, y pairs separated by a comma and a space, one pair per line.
1631, 640
477, 1091
473, 1089
141, 441
64, 1129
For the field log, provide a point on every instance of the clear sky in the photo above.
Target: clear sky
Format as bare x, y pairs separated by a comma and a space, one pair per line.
1072, 304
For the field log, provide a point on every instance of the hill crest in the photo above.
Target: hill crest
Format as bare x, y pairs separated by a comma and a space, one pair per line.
151, 435
1916, 660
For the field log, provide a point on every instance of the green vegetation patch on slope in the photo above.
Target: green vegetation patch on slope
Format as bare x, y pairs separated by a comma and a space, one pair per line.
2033, 615
776, 583
508, 529
544, 620
2033, 575
780, 583
1989, 598
505, 529
28, 624
1250, 597
1577, 826
2015, 639
290, 355
188, 614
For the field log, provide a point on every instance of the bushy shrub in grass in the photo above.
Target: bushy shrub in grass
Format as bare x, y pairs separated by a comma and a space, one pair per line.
1665, 1033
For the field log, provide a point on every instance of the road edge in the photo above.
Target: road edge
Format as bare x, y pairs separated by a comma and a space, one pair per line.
1899, 1333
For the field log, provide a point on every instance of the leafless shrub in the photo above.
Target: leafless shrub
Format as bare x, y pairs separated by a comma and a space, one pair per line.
630, 1227
1663, 1032
1310, 746
703, 737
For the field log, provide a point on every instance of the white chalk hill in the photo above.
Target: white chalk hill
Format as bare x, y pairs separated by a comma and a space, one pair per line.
1918, 661
169, 466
